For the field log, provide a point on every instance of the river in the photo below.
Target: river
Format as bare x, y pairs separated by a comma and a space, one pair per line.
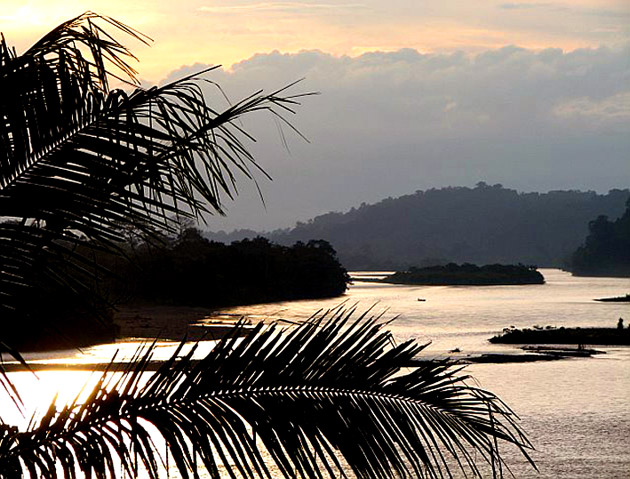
576, 412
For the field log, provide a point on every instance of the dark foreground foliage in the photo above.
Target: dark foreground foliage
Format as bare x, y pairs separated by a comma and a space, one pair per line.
81, 163
468, 274
606, 251
330, 392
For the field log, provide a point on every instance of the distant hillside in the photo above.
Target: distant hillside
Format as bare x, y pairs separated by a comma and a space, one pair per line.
484, 225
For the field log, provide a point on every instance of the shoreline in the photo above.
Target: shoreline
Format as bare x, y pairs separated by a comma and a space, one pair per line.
150, 321
145, 321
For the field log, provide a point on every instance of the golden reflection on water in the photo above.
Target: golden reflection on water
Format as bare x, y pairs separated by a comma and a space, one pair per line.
576, 411
38, 389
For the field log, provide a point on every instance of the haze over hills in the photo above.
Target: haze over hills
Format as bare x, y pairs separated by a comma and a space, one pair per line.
485, 224
390, 123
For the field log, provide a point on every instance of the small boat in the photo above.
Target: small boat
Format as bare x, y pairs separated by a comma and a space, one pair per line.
421, 299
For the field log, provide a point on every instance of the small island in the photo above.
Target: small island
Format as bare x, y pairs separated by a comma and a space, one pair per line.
468, 275
552, 335
616, 299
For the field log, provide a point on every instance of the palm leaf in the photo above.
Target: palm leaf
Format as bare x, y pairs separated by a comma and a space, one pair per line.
330, 392
80, 161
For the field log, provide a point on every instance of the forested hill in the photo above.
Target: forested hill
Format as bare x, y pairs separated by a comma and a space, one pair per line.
606, 250
485, 224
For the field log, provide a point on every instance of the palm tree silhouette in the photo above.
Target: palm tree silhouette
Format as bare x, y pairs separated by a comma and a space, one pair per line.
80, 163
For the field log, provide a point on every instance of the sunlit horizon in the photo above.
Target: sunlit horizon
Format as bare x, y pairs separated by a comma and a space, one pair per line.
225, 33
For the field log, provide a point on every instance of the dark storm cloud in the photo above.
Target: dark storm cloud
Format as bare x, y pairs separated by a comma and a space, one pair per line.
389, 123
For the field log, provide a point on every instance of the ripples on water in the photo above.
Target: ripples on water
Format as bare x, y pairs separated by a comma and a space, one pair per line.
575, 411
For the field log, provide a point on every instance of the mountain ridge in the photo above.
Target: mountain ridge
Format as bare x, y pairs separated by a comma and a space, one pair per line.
485, 224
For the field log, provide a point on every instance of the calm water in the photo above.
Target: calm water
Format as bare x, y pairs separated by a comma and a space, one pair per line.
576, 412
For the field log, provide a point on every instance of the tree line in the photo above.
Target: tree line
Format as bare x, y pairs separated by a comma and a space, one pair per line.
483, 225
192, 270
606, 250
185, 270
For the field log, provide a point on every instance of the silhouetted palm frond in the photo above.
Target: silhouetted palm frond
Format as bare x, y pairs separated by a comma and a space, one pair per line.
329, 393
79, 161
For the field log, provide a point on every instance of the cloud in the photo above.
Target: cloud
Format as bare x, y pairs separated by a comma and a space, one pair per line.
524, 6
278, 6
389, 123
616, 14
614, 108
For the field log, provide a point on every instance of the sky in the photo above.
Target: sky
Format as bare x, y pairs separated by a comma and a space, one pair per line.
413, 94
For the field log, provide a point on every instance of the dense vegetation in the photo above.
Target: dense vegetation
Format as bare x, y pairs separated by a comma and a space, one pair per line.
192, 270
482, 225
606, 251
468, 274
184, 270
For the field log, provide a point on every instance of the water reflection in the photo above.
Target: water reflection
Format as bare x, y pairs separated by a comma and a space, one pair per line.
575, 411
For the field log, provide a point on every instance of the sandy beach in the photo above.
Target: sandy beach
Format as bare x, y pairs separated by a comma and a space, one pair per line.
150, 321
